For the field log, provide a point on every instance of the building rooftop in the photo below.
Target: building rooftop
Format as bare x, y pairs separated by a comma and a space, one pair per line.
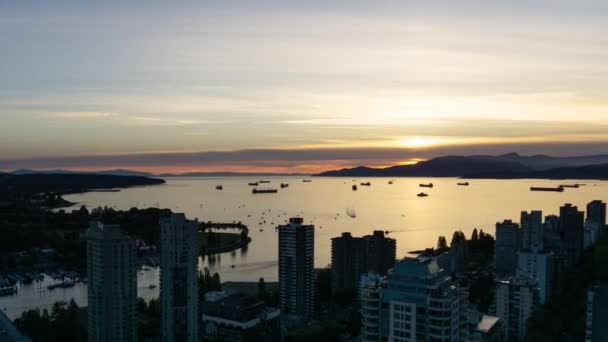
487, 323
237, 307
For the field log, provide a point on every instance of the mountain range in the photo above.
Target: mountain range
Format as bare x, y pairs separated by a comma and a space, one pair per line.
501, 167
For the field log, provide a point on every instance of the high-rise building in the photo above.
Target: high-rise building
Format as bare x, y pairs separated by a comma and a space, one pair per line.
572, 233
540, 266
369, 297
508, 241
420, 302
381, 252
597, 314
112, 287
596, 212
516, 300
348, 262
179, 278
551, 240
351, 257
532, 229
296, 268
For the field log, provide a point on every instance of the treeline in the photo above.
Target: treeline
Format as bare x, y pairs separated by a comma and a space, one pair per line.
65, 322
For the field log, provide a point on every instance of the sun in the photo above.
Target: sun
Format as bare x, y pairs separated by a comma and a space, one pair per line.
421, 142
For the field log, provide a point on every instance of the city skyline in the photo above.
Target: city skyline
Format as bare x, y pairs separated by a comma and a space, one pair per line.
394, 83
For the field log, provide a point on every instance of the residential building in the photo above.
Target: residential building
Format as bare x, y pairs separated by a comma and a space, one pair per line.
239, 318
112, 284
369, 297
596, 212
572, 231
532, 229
597, 314
179, 278
508, 242
540, 266
516, 300
381, 252
296, 268
8, 332
351, 257
419, 302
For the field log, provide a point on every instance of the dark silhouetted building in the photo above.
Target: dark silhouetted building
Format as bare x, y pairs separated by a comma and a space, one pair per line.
351, 257
112, 287
508, 242
572, 233
596, 213
179, 278
532, 229
597, 314
296, 268
239, 318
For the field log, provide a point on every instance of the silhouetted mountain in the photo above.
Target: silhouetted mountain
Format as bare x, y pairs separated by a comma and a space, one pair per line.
598, 171
117, 172
229, 174
450, 166
543, 162
70, 183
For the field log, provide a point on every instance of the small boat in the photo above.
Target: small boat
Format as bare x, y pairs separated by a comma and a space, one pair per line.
219, 187
390, 182
284, 185
430, 185
422, 194
539, 188
264, 181
354, 187
464, 184
575, 186
253, 184
306, 180
366, 184
152, 286
264, 191
351, 213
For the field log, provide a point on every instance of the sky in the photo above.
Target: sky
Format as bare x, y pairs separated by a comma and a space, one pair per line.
297, 86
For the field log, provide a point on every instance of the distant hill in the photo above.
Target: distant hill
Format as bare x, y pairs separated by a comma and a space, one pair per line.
599, 172
118, 172
70, 183
543, 162
231, 174
450, 166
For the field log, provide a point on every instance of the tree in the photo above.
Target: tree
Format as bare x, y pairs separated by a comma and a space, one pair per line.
475, 235
442, 244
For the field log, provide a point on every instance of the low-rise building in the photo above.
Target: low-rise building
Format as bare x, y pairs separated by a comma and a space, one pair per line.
516, 300
239, 318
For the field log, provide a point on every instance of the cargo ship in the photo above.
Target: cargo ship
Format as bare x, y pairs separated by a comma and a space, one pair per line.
575, 186
264, 191
366, 184
284, 185
253, 184
430, 185
264, 181
539, 188
422, 194
464, 184
219, 187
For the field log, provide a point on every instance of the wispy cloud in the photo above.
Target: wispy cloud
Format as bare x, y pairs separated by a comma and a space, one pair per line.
82, 115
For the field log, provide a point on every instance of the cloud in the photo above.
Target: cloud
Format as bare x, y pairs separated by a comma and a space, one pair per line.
82, 115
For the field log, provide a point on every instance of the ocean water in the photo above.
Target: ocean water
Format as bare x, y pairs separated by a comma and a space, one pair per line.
413, 221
